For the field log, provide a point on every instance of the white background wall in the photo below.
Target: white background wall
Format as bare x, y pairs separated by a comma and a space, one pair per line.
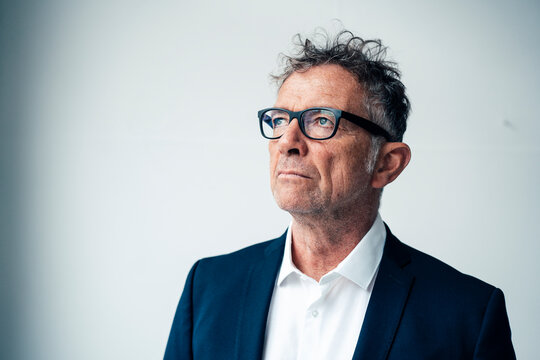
130, 148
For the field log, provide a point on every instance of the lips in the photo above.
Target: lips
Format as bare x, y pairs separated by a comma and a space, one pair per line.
291, 168
292, 174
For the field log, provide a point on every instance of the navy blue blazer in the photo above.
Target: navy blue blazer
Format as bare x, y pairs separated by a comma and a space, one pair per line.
420, 308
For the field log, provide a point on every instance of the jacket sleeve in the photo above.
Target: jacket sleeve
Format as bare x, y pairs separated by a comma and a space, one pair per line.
494, 340
179, 346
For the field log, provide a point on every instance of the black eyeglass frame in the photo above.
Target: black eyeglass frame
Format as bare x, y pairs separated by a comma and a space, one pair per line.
364, 123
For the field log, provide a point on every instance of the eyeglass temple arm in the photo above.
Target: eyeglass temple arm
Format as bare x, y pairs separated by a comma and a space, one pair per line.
367, 125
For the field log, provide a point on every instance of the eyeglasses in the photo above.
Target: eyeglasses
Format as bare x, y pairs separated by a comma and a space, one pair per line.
318, 123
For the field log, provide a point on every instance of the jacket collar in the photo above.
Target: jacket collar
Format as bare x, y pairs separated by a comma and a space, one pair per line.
387, 302
256, 297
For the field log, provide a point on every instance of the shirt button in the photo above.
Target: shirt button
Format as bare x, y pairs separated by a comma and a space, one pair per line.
314, 313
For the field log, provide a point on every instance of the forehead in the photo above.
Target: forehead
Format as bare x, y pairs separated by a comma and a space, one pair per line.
324, 85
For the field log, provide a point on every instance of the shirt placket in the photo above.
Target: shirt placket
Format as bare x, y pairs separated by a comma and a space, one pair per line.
309, 348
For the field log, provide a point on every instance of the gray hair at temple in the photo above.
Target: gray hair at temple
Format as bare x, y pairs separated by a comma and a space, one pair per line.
385, 100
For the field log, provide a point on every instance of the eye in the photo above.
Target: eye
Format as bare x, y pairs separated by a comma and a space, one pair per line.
323, 122
279, 122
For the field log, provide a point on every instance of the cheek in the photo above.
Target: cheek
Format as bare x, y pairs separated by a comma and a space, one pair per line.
332, 175
347, 172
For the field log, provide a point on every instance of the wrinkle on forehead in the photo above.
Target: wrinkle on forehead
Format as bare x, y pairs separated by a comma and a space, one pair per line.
324, 85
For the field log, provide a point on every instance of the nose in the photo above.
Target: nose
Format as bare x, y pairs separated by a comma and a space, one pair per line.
293, 141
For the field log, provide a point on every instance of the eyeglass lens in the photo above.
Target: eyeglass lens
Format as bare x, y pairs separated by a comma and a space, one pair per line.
317, 123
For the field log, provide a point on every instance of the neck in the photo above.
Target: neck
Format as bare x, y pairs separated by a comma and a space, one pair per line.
319, 246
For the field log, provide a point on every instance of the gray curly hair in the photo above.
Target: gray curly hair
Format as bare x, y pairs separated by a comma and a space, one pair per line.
385, 100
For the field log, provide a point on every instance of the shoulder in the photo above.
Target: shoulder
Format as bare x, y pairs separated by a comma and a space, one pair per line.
229, 267
247, 255
437, 286
432, 272
445, 305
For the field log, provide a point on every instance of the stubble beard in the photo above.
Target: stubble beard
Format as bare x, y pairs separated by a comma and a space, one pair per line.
313, 203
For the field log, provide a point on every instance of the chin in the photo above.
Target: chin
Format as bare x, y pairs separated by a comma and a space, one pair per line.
295, 203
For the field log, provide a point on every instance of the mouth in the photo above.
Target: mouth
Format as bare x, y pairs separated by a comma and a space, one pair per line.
292, 174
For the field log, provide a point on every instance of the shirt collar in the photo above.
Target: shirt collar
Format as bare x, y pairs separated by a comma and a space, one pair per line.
287, 265
360, 266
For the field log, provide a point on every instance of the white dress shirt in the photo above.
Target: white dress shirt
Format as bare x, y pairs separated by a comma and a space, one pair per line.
311, 320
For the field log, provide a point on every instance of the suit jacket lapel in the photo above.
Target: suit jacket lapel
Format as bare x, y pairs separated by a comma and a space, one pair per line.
256, 302
387, 302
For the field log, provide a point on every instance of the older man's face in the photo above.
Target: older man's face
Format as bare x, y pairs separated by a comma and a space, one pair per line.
320, 176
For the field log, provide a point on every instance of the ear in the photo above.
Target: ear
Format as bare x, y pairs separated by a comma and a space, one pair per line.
392, 160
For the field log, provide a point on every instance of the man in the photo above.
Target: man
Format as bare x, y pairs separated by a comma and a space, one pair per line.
337, 284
